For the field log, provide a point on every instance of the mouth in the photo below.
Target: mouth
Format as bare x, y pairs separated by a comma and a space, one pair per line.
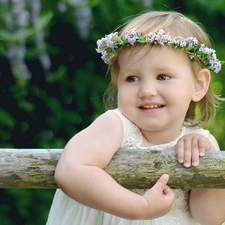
151, 106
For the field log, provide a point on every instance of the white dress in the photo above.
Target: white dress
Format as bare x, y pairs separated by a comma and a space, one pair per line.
66, 211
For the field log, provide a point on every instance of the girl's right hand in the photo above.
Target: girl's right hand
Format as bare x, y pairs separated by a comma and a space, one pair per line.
159, 198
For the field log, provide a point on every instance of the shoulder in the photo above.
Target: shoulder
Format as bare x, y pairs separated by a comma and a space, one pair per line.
132, 137
123, 119
107, 124
110, 121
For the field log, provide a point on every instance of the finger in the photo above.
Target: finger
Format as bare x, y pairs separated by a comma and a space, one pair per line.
198, 149
161, 184
188, 152
166, 190
169, 192
180, 151
195, 154
203, 141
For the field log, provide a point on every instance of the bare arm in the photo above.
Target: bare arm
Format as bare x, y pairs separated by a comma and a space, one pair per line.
80, 174
207, 206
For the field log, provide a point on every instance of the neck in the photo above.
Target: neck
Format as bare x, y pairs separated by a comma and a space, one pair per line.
160, 137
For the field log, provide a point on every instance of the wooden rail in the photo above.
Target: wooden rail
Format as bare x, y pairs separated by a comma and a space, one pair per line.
34, 168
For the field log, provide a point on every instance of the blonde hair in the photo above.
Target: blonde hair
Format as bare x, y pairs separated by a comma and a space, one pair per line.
177, 25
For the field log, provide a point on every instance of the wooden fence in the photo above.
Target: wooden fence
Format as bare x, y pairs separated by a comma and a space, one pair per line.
34, 168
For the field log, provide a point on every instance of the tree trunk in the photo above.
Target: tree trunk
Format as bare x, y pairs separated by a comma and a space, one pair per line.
133, 169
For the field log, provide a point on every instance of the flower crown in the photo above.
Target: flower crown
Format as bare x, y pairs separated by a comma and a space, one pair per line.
108, 45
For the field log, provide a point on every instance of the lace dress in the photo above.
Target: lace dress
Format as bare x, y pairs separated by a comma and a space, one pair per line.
66, 211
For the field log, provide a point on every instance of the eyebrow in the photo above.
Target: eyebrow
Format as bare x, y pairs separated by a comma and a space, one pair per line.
162, 68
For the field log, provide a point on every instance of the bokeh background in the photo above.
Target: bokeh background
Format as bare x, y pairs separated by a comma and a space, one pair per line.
52, 80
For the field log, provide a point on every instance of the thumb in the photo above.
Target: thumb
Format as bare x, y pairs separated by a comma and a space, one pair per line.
161, 184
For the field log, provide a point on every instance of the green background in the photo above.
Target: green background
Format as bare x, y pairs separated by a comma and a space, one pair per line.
52, 80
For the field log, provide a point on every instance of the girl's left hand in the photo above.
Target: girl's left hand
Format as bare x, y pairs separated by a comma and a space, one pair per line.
190, 147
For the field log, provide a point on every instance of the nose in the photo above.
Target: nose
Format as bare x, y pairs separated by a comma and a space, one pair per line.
147, 90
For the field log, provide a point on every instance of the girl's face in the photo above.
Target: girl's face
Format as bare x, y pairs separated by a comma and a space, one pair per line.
155, 87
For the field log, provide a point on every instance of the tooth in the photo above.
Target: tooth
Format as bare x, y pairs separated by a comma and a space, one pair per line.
151, 106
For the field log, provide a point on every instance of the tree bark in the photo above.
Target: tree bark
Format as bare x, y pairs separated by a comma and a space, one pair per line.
133, 169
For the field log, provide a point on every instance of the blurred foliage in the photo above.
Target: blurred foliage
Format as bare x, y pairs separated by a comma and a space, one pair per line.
42, 105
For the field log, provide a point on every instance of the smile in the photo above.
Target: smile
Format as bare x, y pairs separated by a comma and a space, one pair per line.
151, 106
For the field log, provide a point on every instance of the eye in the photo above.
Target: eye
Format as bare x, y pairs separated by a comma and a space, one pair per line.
132, 79
163, 77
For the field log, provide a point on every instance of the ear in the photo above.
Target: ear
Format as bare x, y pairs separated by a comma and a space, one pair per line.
201, 85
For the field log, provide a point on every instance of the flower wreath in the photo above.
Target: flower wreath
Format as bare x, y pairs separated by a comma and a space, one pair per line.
108, 45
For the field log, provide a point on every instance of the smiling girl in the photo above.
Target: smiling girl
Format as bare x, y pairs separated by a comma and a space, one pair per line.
160, 65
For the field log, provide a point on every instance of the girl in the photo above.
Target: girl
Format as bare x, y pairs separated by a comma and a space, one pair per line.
160, 65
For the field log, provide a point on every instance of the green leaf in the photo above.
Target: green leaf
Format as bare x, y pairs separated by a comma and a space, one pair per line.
93, 3
15, 36
43, 21
6, 118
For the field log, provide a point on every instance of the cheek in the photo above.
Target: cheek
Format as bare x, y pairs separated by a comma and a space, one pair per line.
122, 97
181, 89
178, 97
126, 95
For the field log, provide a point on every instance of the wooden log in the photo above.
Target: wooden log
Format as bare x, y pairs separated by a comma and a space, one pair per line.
141, 169
28, 168
133, 169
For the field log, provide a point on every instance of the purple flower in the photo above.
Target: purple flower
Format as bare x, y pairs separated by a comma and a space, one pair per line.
192, 42
130, 36
151, 37
179, 41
